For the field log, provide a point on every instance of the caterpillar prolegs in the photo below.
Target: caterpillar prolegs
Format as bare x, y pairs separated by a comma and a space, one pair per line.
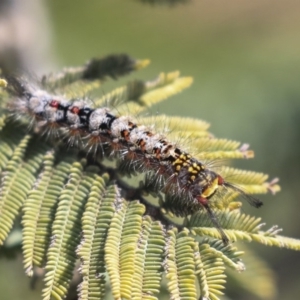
177, 173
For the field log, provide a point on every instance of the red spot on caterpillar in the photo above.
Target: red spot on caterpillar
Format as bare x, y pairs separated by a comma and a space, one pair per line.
202, 200
220, 180
75, 110
142, 145
157, 152
125, 134
54, 103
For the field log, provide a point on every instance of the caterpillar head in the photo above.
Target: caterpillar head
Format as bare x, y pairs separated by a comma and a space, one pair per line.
210, 183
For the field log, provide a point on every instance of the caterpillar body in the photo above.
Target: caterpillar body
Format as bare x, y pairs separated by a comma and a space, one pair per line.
178, 173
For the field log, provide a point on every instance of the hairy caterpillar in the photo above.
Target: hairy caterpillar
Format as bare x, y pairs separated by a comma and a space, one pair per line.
177, 173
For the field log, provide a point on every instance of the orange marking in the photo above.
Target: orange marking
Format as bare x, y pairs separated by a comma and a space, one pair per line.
75, 110
54, 103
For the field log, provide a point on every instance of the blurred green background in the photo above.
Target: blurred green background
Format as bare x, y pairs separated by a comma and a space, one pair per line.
245, 60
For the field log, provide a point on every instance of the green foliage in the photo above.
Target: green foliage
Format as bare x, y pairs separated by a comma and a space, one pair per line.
96, 220
74, 209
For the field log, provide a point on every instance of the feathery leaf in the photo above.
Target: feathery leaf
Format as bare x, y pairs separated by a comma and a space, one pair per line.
39, 210
148, 261
179, 265
96, 221
66, 233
